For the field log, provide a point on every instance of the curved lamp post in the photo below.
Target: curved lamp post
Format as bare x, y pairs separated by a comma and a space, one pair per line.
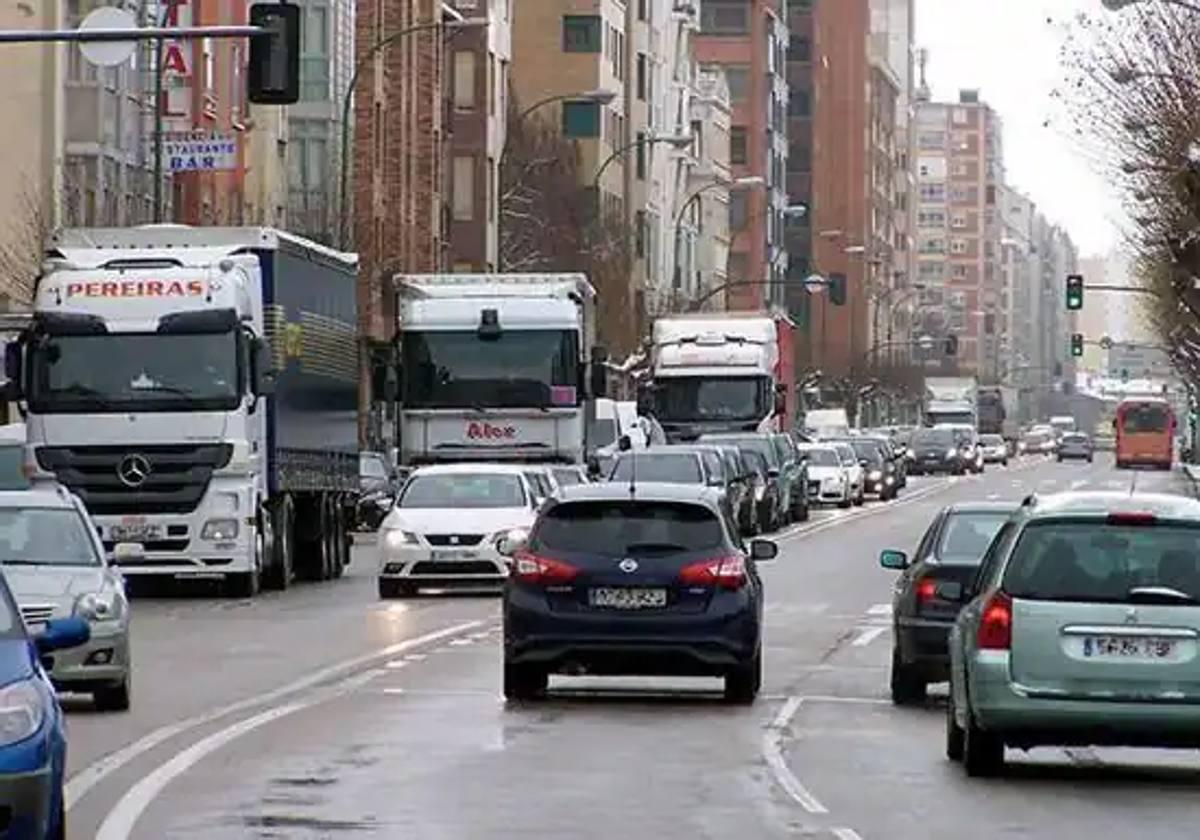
1117, 5
716, 183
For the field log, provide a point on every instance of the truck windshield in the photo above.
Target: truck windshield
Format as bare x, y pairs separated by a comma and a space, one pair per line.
135, 372
518, 369
964, 417
688, 399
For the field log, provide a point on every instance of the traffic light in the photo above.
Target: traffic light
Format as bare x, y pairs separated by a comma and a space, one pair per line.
1077, 344
1074, 292
837, 289
273, 71
951, 345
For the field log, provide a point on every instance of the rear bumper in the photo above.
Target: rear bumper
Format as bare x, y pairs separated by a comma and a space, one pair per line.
1026, 718
702, 644
923, 645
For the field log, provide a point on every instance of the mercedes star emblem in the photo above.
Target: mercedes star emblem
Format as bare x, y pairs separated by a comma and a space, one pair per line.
133, 470
628, 565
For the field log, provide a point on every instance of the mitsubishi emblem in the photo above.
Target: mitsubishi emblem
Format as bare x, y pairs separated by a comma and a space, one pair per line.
133, 470
628, 565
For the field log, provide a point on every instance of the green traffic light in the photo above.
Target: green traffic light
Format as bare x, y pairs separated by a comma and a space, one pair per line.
1074, 292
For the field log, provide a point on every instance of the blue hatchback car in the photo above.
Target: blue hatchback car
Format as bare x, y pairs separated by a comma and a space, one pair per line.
33, 742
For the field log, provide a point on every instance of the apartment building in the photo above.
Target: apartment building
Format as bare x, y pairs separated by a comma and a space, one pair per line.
401, 182
960, 172
313, 136
748, 40
797, 233
841, 182
1022, 291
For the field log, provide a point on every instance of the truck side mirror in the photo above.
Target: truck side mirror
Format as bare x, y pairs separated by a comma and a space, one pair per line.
264, 375
12, 368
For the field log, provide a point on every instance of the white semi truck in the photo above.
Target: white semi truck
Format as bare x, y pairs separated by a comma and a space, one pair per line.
497, 367
196, 387
951, 399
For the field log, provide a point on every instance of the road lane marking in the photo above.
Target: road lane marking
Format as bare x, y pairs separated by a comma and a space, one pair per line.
120, 821
1077, 483
772, 748
461, 642
879, 609
861, 513
846, 834
868, 635
81, 783
396, 664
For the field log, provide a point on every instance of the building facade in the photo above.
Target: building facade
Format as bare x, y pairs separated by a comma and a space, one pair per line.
798, 232
704, 222
748, 40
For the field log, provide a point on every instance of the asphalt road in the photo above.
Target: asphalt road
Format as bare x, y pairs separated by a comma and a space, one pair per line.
324, 713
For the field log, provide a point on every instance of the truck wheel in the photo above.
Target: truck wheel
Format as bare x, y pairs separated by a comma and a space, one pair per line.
341, 541
244, 585
329, 541
279, 573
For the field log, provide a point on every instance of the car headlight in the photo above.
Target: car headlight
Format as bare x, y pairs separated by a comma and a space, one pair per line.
219, 529
395, 538
513, 535
875, 475
22, 710
951, 453
104, 605
760, 492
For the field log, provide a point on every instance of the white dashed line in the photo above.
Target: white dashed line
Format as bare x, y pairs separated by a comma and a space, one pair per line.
395, 664
772, 747
868, 635
416, 657
846, 834
880, 609
461, 642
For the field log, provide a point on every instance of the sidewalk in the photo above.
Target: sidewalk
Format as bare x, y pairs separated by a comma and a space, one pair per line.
1191, 474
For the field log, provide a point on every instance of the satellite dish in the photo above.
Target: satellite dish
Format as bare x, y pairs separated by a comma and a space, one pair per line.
108, 53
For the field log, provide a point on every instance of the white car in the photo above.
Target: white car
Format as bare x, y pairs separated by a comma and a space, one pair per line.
858, 476
995, 450
445, 528
56, 567
828, 478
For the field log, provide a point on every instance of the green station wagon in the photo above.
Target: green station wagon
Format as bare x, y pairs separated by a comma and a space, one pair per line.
1081, 627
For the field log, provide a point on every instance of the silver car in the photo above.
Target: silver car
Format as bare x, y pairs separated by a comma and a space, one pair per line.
55, 565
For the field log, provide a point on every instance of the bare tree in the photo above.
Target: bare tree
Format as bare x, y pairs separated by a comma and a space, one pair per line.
549, 222
23, 237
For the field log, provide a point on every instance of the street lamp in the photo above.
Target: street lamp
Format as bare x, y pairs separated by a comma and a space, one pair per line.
1117, 5
347, 98
679, 141
716, 183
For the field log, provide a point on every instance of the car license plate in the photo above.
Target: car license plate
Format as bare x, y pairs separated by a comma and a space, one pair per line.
628, 599
135, 529
452, 554
1128, 647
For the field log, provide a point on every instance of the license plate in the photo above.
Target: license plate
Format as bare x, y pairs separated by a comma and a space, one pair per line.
628, 599
135, 529
1128, 647
452, 554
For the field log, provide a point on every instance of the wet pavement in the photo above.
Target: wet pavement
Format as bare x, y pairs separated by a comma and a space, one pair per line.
324, 713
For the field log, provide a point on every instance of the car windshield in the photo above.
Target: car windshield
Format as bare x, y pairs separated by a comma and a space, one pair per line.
673, 468
868, 451
753, 443
540, 483
967, 535
45, 537
823, 458
933, 438
568, 478
1096, 561
12, 464
474, 490
754, 462
628, 529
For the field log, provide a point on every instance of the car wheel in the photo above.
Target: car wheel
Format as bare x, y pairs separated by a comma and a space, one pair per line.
390, 588
524, 682
954, 732
113, 698
860, 499
983, 752
845, 503
743, 682
908, 689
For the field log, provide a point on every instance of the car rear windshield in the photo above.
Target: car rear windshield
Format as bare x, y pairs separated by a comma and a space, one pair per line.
967, 535
482, 490
628, 528
1094, 561
12, 473
45, 537
678, 468
823, 458
754, 443
942, 438
991, 440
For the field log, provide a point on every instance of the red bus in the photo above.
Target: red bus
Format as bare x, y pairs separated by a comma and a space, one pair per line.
1145, 428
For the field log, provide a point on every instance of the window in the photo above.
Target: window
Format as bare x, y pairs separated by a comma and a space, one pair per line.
642, 10
725, 17
738, 152
697, 140
799, 48
621, 528
464, 188
931, 218
581, 33
641, 76
314, 54
581, 119
933, 246
960, 272
931, 270
739, 209
738, 78
960, 169
958, 222
931, 140
639, 233
464, 80
960, 141
46, 536
958, 246
798, 103
475, 490
639, 155
933, 192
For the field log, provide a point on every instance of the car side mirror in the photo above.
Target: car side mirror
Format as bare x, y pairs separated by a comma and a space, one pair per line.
890, 558
593, 467
624, 443
763, 551
863, 462
128, 552
949, 591
62, 633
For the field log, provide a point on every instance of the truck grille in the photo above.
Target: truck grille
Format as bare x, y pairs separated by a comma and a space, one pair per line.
174, 481
37, 613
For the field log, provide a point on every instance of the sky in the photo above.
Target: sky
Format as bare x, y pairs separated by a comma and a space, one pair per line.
1011, 56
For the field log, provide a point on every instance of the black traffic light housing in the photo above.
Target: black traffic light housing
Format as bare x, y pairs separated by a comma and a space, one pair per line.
273, 72
1074, 292
1076, 344
837, 289
951, 345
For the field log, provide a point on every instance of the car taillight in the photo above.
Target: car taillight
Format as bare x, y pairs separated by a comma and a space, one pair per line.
542, 571
726, 572
995, 623
926, 590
